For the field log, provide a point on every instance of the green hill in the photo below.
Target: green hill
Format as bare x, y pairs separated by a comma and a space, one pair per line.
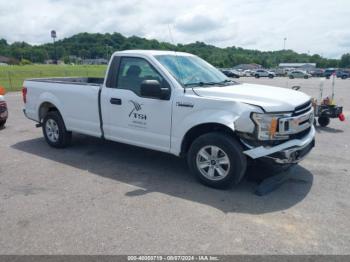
86, 45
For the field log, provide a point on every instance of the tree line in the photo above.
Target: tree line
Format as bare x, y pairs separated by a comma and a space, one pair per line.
90, 46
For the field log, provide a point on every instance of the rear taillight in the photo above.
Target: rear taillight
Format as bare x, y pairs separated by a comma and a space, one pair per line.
24, 94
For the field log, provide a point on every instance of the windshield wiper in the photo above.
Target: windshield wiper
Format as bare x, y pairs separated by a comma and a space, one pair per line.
203, 84
228, 81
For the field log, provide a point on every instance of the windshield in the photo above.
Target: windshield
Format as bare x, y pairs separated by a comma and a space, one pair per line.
192, 70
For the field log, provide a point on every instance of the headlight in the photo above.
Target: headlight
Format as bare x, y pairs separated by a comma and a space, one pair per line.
266, 126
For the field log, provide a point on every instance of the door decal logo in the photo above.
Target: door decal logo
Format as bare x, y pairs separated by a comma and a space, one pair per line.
137, 107
134, 113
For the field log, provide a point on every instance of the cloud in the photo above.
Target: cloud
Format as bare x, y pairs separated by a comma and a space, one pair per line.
196, 23
318, 28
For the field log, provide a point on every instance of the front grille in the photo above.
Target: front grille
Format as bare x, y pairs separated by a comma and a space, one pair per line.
299, 110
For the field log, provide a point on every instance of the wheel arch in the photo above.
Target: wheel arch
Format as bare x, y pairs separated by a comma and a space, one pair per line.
202, 129
48, 102
46, 107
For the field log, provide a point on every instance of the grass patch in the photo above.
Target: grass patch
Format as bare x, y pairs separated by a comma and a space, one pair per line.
12, 77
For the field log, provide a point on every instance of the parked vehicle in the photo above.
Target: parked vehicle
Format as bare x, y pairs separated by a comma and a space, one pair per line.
343, 74
298, 74
231, 73
280, 71
329, 72
248, 73
264, 73
3, 108
318, 72
179, 104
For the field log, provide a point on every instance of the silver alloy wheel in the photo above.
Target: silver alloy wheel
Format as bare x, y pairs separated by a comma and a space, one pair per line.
213, 163
52, 130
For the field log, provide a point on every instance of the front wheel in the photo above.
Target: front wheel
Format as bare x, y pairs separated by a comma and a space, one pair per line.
257, 76
217, 160
2, 124
271, 76
306, 77
55, 132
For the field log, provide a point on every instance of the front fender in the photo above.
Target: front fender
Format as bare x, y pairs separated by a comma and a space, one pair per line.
209, 116
231, 114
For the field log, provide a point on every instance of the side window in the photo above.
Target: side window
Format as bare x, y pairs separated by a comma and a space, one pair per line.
133, 71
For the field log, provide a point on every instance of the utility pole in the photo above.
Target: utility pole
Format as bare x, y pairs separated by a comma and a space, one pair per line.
284, 43
53, 35
108, 48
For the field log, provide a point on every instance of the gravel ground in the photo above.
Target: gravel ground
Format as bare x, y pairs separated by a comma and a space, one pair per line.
100, 197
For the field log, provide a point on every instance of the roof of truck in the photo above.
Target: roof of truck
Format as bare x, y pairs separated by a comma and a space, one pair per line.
151, 52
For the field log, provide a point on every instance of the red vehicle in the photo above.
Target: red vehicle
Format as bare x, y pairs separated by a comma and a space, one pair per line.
3, 108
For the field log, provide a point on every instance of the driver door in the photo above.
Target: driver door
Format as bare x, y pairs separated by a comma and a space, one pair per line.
130, 118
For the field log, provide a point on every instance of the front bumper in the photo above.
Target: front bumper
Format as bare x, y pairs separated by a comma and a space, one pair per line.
289, 152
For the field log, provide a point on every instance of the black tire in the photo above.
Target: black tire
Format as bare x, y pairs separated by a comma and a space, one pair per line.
63, 136
291, 77
323, 121
344, 77
257, 76
271, 76
306, 77
2, 124
229, 146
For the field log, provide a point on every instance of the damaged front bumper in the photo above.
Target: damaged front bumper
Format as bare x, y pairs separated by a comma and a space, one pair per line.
289, 152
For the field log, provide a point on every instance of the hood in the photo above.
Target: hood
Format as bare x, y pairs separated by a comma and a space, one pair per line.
271, 99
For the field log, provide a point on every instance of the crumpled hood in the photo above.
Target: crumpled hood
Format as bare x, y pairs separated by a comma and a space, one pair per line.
271, 99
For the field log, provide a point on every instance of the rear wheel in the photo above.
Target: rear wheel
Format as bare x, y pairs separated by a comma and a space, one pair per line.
257, 76
55, 132
323, 121
271, 76
344, 77
217, 160
306, 77
2, 124
291, 77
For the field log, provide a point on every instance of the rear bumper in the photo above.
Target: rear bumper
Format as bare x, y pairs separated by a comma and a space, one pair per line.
3, 113
289, 152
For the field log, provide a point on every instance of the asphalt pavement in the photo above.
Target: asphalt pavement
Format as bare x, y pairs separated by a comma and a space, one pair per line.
100, 197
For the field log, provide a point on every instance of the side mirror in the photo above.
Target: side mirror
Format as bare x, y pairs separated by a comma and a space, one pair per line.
153, 89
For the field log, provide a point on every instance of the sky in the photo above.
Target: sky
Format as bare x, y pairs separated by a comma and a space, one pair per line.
310, 26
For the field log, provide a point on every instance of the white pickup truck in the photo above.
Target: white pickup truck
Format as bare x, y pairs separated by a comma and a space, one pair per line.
179, 104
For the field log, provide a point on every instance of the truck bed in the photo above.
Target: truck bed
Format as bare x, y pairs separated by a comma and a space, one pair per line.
76, 98
71, 80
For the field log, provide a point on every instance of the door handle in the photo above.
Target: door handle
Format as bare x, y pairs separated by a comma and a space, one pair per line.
115, 101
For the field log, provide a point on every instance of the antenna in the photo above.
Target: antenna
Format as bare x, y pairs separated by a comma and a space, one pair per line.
176, 57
